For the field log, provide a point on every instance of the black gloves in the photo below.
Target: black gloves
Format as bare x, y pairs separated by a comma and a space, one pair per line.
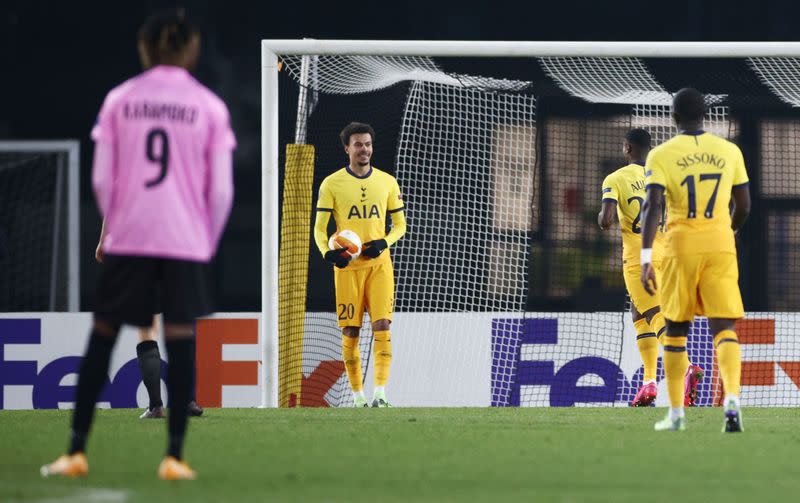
338, 257
372, 249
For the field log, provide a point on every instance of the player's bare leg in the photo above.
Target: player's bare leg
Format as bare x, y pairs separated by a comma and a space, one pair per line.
352, 364
179, 340
675, 364
382, 346
729, 356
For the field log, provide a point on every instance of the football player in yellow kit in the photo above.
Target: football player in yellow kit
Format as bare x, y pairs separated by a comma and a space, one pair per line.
623, 193
697, 174
360, 197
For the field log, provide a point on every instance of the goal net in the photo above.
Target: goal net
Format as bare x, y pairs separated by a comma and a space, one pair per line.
39, 241
507, 293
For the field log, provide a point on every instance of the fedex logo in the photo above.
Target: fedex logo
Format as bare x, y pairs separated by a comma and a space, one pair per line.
40, 353
510, 372
43, 368
120, 391
532, 364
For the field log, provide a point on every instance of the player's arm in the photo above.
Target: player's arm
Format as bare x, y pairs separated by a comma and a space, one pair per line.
655, 184
398, 226
104, 136
606, 216
740, 195
220, 193
741, 206
98, 252
609, 204
373, 249
651, 219
321, 230
651, 214
324, 211
219, 190
103, 175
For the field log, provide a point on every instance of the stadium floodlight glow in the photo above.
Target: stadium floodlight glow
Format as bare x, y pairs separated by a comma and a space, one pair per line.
649, 102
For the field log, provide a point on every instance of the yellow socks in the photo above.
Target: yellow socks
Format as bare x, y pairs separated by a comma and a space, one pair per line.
352, 362
729, 356
382, 344
648, 349
658, 326
675, 363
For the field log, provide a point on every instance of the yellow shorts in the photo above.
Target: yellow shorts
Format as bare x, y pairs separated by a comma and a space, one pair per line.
642, 300
704, 284
369, 287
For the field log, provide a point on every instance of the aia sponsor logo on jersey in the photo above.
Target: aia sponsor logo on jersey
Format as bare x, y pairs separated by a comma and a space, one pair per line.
363, 211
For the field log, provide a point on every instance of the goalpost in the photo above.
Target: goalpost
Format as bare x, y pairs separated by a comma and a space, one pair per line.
495, 125
40, 225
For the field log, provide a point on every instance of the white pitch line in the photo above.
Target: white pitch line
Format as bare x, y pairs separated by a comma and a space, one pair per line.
89, 496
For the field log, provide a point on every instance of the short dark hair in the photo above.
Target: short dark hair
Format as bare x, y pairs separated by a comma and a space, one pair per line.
355, 128
688, 104
638, 137
166, 34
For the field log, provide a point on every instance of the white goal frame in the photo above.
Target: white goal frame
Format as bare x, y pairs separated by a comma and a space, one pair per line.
72, 149
271, 49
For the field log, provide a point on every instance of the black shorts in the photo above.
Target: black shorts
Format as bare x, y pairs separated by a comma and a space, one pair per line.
132, 289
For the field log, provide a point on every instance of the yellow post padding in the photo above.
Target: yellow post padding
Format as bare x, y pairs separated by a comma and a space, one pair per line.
293, 270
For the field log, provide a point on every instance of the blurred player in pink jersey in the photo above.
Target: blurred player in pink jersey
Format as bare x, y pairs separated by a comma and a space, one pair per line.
149, 358
163, 181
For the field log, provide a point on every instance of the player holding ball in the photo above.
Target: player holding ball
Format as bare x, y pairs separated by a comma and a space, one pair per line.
360, 196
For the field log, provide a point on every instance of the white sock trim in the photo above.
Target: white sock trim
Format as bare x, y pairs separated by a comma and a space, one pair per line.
731, 402
676, 413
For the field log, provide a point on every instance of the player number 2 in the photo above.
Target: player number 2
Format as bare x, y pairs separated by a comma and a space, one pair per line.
346, 311
690, 187
160, 156
635, 227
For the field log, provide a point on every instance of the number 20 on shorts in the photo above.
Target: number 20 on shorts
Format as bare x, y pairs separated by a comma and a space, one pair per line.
346, 311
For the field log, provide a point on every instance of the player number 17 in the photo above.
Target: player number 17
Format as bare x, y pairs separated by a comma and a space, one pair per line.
690, 187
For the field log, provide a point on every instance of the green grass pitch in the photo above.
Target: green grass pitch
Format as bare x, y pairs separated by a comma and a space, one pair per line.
344, 455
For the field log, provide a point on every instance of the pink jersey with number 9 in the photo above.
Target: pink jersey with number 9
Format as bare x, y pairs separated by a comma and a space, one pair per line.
164, 129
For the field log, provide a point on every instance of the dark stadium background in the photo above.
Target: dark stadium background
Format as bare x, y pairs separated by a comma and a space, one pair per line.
60, 58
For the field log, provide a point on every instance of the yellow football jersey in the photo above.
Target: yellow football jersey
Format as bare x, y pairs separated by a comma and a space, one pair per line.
361, 205
625, 187
698, 171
